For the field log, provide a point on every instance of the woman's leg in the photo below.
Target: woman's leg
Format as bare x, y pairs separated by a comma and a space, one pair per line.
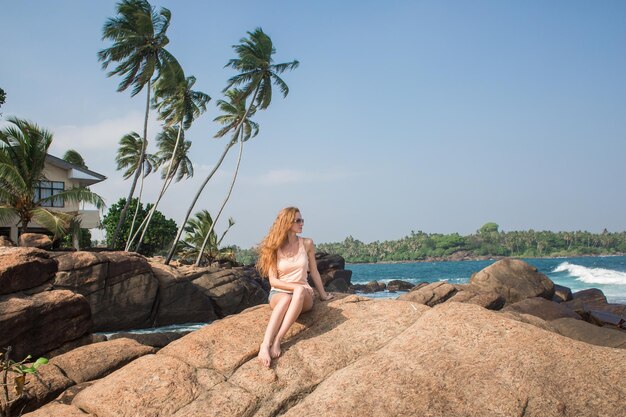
279, 305
302, 300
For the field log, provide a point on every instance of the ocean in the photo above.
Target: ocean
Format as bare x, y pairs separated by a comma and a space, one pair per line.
607, 273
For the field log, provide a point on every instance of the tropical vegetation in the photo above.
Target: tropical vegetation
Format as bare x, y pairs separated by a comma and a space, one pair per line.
257, 74
197, 229
138, 49
23, 150
488, 241
157, 239
139, 38
177, 103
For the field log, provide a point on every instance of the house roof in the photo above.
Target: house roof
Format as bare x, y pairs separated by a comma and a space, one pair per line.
83, 175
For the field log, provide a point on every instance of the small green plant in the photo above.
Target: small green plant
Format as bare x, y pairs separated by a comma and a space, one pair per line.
19, 370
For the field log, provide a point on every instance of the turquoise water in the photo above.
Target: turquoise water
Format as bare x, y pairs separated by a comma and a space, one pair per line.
606, 273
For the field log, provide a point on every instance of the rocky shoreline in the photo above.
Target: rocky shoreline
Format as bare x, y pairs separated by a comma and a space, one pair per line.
490, 347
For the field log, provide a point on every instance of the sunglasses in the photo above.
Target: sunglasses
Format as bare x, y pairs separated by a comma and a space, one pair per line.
299, 221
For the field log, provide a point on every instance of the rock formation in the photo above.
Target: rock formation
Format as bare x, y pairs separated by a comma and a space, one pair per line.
356, 356
514, 280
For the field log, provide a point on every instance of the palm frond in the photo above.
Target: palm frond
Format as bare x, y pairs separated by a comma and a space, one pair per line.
7, 214
56, 222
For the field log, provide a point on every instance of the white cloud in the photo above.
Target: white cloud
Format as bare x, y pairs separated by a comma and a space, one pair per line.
104, 134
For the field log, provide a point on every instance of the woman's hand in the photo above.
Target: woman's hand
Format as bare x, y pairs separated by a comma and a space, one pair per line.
326, 297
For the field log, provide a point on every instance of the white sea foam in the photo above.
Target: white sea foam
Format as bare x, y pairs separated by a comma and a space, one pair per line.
593, 275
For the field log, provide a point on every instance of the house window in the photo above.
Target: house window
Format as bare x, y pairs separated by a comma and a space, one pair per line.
47, 189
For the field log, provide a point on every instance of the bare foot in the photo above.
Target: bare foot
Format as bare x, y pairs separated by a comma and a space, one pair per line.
275, 351
264, 356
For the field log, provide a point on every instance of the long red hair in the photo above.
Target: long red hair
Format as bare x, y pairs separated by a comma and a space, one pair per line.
276, 238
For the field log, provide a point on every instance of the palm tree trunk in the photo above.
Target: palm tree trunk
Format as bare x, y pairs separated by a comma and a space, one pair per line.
193, 203
132, 225
143, 223
144, 145
181, 228
230, 190
163, 188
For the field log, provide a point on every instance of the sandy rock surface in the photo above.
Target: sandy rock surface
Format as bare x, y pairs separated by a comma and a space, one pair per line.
356, 356
36, 324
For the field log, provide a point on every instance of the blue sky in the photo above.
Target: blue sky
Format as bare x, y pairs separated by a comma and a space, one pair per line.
403, 115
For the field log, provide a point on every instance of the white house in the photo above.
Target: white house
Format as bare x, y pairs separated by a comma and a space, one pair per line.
60, 175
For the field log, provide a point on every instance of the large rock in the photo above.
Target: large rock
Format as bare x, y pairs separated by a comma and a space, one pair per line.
232, 290
370, 287
583, 300
561, 293
331, 267
36, 324
589, 333
24, 268
35, 240
514, 280
591, 304
329, 276
84, 364
179, 299
354, 356
469, 363
542, 308
326, 262
399, 285
120, 287
431, 294
490, 300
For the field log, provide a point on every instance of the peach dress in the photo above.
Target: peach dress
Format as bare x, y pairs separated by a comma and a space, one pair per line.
293, 269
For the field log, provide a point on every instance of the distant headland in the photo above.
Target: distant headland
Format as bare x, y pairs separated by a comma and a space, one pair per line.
487, 243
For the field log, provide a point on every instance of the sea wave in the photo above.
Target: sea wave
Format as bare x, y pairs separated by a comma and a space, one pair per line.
593, 275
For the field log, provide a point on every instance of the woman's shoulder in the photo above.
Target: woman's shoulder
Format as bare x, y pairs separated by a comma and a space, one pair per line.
307, 242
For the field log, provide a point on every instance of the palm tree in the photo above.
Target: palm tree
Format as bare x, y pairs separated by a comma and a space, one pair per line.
177, 104
131, 157
198, 228
234, 114
139, 40
73, 157
23, 150
176, 166
172, 157
257, 74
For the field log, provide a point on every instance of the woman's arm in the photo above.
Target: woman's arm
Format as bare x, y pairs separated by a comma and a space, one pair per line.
317, 280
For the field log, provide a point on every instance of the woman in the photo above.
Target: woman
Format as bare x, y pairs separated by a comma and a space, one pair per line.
285, 258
